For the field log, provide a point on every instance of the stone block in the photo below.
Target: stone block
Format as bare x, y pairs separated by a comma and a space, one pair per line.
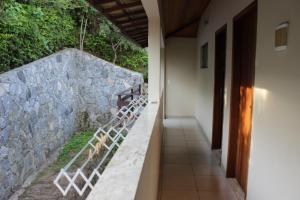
4, 88
21, 76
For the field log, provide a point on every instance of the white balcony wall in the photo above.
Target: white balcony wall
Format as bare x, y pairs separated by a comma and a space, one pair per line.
180, 76
133, 172
148, 187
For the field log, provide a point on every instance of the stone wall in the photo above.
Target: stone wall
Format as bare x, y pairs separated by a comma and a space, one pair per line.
43, 103
99, 83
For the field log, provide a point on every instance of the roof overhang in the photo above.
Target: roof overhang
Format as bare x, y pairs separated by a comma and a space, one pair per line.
128, 15
179, 18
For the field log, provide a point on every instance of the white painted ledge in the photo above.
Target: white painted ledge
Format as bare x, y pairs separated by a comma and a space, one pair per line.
120, 179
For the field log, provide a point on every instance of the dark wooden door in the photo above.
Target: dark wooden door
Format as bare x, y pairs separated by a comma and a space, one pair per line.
244, 50
220, 66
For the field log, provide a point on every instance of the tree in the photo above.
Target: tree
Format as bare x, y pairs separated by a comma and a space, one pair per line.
32, 29
113, 35
82, 32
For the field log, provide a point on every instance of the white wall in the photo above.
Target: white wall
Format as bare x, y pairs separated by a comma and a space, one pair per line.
154, 45
275, 150
180, 77
218, 14
154, 57
148, 187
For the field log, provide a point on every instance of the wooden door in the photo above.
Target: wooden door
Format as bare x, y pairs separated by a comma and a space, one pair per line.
220, 66
244, 49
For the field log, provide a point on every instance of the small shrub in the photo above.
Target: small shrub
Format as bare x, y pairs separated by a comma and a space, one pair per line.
71, 148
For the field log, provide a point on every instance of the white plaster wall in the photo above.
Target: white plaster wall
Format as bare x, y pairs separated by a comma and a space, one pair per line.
274, 158
180, 77
275, 150
218, 14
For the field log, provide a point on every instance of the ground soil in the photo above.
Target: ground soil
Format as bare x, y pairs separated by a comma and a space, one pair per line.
43, 188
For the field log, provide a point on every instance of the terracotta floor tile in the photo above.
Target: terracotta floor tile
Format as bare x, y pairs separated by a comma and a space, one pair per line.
204, 170
212, 183
190, 130
172, 123
177, 169
175, 150
194, 138
199, 150
175, 141
190, 127
179, 195
189, 170
172, 142
175, 182
176, 159
174, 137
219, 195
195, 144
200, 159
174, 132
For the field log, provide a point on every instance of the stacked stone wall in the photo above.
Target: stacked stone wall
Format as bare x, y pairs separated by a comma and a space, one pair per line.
43, 103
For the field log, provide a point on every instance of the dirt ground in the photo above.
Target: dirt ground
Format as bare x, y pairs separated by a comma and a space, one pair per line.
43, 188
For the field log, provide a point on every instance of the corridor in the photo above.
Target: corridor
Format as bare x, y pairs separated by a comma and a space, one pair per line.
189, 170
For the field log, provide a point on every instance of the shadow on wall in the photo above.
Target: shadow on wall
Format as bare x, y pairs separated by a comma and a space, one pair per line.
43, 103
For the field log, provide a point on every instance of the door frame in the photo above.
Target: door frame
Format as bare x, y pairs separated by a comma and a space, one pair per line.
218, 137
233, 144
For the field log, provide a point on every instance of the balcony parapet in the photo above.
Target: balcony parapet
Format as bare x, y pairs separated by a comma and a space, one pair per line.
125, 177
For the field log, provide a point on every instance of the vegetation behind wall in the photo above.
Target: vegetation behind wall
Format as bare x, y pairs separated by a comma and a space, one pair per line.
32, 29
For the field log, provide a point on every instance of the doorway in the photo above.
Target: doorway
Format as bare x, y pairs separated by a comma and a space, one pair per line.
244, 49
220, 68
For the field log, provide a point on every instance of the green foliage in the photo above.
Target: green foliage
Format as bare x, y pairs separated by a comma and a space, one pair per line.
74, 145
128, 54
30, 32
32, 29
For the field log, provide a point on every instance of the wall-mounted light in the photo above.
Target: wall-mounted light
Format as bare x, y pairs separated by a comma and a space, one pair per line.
281, 36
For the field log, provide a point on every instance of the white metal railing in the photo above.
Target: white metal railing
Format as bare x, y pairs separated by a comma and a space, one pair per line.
86, 167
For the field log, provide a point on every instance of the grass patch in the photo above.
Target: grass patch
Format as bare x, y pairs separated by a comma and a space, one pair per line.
71, 148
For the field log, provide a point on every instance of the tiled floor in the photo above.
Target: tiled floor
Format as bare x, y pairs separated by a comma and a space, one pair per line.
189, 171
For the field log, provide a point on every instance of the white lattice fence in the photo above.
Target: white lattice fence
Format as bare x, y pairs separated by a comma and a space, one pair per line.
85, 169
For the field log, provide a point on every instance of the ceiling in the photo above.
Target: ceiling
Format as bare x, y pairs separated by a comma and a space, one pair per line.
181, 17
128, 15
